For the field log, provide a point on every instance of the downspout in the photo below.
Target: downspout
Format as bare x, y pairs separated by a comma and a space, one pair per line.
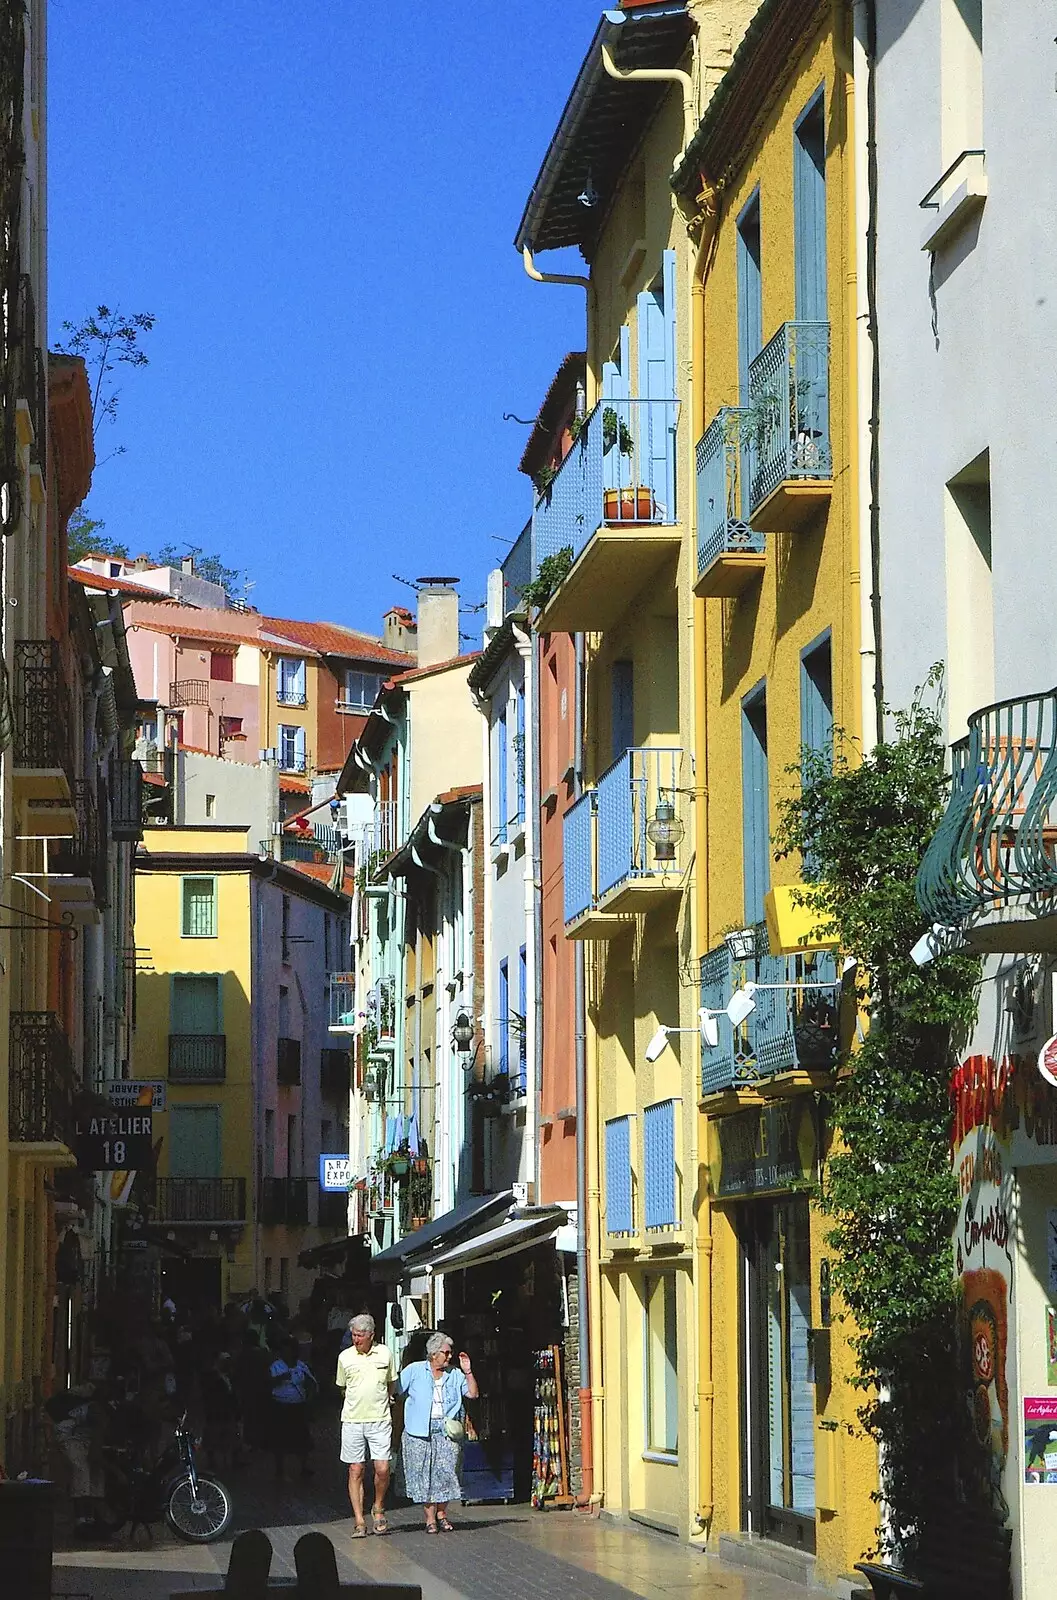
590, 1494
656, 75
535, 908
864, 48
551, 277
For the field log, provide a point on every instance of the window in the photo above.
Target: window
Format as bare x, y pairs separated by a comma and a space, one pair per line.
809, 212
231, 728
361, 688
519, 754
211, 805
755, 804
654, 424
284, 1276
504, 1016
115, 569
816, 699
291, 681
221, 666
501, 756
619, 1208
522, 1021
293, 755
622, 707
662, 1365
970, 678
658, 1165
195, 1003
750, 292
269, 1144
194, 1141
199, 908
284, 993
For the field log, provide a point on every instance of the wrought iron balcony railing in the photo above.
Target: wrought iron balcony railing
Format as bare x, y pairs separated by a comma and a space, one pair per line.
284, 1200
620, 469
189, 692
203, 1201
42, 708
197, 1057
83, 854
341, 1002
996, 845
788, 411
723, 528
291, 697
42, 1083
631, 829
32, 381
791, 1028
288, 1062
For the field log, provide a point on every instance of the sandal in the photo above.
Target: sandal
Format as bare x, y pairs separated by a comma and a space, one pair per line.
431, 1527
444, 1525
359, 1532
380, 1524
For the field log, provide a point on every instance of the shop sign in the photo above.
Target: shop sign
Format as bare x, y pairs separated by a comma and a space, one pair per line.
765, 1151
114, 1144
129, 1092
335, 1173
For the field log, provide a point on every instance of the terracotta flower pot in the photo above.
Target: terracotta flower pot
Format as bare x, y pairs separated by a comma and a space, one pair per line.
628, 505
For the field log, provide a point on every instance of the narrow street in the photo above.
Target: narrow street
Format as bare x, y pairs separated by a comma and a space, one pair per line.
496, 1553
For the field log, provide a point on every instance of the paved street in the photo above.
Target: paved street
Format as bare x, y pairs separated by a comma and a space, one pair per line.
497, 1551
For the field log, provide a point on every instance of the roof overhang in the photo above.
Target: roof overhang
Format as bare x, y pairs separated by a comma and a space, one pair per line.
600, 128
439, 831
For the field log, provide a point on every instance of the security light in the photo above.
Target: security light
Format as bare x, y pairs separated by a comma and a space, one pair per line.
657, 1045
741, 1005
939, 941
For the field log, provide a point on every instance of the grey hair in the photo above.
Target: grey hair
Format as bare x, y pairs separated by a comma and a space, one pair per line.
438, 1342
363, 1323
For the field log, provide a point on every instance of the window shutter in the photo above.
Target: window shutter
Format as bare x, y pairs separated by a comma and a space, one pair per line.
658, 1140
300, 749
809, 213
755, 808
618, 1176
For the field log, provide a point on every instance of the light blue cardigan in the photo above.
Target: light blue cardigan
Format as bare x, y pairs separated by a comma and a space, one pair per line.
416, 1381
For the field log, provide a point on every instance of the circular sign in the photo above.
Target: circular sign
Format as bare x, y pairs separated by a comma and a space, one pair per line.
1048, 1061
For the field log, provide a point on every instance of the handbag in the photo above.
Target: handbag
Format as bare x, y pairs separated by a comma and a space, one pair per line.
454, 1429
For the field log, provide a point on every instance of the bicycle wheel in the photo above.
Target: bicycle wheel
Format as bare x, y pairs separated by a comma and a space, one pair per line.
202, 1517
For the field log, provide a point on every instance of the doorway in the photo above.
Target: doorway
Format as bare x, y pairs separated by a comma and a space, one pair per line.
778, 1411
192, 1283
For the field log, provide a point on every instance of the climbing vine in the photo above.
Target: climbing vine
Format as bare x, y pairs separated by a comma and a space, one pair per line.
889, 1189
553, 570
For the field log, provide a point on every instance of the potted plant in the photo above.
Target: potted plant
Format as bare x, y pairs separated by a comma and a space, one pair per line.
396, 1163
815, 1033
544, 477
634, 503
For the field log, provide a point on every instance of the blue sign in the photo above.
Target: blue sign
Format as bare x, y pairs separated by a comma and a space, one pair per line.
335, 1173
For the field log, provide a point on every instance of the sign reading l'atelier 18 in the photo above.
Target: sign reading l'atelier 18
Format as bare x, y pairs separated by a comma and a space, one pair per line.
116, 1143
765, 1151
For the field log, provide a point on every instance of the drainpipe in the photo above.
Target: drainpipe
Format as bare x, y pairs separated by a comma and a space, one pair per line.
864, 44
535, 905
590, 1492
655, 75
551, 277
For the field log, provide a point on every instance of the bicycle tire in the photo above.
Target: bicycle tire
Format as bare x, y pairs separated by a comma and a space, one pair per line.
200, 1520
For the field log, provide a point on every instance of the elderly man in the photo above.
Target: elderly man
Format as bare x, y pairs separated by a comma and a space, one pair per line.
367, 1373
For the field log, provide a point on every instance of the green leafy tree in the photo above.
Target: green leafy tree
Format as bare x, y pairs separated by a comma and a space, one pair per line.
105, 340
889, 1188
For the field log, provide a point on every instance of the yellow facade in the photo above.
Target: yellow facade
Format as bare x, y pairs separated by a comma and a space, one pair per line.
805, 587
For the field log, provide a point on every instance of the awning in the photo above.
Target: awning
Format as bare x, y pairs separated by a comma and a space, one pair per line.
519, 1233
414, 1251
335, 1252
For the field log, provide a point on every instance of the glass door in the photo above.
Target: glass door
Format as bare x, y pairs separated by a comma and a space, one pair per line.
778, 1386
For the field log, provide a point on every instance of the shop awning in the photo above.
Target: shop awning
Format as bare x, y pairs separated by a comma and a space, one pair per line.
414, 1252
519, 1233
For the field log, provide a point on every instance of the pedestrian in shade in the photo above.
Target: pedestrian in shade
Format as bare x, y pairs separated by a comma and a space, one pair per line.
367, 1374
434, 1428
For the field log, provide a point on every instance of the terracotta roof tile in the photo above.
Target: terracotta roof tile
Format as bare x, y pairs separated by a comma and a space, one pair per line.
96, 580
426, 672
294, 785
331, 639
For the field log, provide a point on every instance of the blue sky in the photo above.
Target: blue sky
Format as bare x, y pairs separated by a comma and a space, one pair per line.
318, 204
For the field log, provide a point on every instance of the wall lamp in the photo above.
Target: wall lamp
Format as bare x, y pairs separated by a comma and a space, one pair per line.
746, 995
939, 941
707, 1025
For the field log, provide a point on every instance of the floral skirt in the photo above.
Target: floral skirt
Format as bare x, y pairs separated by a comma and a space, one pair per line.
431, 1467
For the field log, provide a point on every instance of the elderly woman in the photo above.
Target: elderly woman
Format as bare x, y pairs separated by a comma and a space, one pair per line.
433, 1428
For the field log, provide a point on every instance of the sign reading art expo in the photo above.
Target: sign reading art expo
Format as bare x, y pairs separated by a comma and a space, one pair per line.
115, 1143
765, 1151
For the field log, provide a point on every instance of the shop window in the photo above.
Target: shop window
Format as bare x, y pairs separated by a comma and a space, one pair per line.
662, 1365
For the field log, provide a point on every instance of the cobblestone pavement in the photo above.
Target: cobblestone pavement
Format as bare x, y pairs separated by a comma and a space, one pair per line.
496, 1553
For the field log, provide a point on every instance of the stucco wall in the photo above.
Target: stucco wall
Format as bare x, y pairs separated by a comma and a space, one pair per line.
445, 737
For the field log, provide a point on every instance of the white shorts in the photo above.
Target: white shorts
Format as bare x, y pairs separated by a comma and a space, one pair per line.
362, 1439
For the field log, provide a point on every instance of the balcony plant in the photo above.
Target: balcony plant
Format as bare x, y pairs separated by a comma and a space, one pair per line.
553, 570
395, 1163
633, 503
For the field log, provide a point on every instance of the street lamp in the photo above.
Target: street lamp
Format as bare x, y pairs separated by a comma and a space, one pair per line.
462, 1033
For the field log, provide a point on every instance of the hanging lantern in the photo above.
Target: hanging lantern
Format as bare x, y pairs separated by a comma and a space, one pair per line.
741, 942
462, 1033
664, 831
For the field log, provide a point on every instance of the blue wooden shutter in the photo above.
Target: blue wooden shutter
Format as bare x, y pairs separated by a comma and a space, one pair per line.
501, 775
616, 388
809, 212
195, 1003
622, 719
816, 699
300, 750
658, 1154
520, 753
652, 423
750, 293
194, 1141
522, 1005
755, 806
618, 1176
504, 1017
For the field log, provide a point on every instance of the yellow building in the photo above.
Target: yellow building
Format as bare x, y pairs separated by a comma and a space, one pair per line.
234, 950
768, 176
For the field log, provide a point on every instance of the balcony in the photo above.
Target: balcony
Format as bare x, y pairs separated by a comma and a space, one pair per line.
189, 692
791, 1041
334, 1074
63, 849
43, 752
341, 998
791, 459
730, 552
333, 1210
197, 1057
385, 838
288, 1062
626, 844
41, 1088
284, 1201
612, 502
291, 697
200, 1202
991, 868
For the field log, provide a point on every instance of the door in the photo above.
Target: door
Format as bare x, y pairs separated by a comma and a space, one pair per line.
196, 1003
778, 1412
194, 1141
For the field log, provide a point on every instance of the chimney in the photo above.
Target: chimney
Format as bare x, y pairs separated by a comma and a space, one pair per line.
398, 630
187, 564
438, 620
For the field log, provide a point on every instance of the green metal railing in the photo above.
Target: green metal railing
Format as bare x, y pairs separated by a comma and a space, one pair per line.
997, 841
